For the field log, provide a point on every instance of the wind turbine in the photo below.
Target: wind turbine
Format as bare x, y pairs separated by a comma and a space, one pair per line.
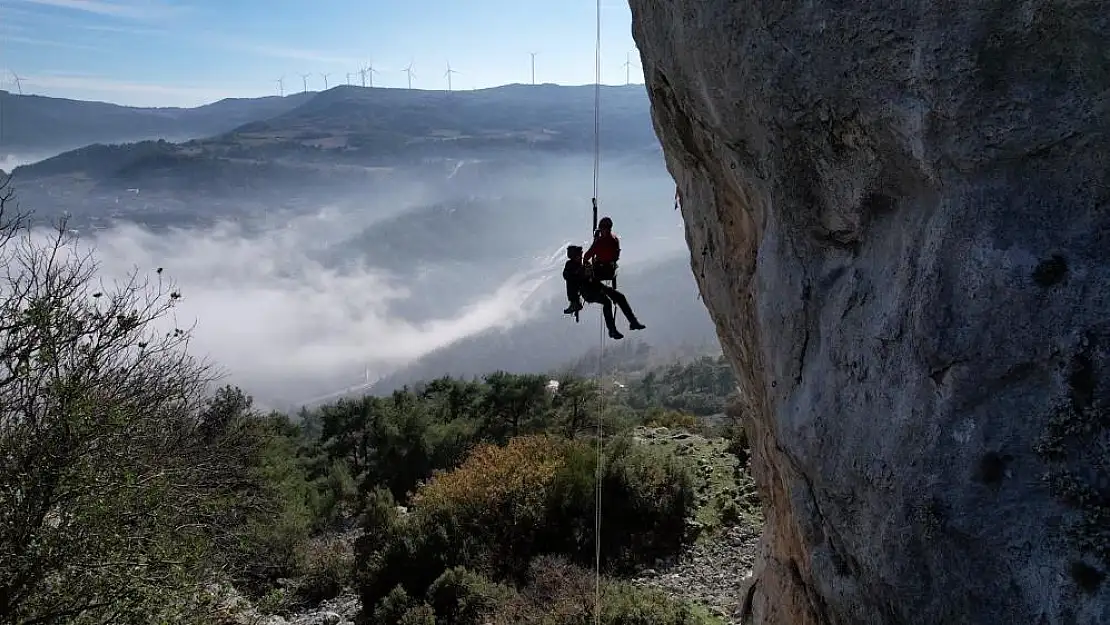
371, 71
348, 78
362, 74
304, 79
408, 70
18, 82
448, 75
533, 67
281, 86
325, 77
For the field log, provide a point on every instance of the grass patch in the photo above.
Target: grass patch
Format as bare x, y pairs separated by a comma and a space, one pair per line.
726, 495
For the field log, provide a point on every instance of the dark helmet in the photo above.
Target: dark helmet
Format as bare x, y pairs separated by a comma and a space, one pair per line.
605, 223
574, 250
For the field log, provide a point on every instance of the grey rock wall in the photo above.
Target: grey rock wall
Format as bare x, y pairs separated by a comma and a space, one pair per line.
898, 215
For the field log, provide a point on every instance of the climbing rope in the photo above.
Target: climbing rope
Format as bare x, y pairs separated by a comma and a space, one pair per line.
598, 477
600, 331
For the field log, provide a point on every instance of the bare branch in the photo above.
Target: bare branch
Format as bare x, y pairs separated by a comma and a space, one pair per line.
106, 482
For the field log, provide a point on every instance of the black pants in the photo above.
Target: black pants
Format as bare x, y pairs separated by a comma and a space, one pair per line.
598, 293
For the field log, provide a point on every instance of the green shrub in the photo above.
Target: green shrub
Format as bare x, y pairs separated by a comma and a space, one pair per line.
647, 495
461, 597
409, 559
506, 505
381, 541
418, 615
379, 516
337, 497
625, 604
392, 607
399, 608
738, 443
271, 513
378, 521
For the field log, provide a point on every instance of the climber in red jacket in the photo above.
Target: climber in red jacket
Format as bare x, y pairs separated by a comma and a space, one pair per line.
605, 251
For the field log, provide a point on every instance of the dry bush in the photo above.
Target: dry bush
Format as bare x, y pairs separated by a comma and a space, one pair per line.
560, 593
672, 419
325, 564
108, 492
514, 479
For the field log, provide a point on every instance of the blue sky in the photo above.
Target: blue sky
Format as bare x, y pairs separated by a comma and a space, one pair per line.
189, 52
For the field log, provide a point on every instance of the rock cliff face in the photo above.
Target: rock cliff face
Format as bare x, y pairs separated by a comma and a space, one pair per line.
899, 218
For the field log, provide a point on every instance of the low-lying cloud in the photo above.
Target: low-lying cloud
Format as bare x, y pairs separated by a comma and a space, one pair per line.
284, 326
287, 304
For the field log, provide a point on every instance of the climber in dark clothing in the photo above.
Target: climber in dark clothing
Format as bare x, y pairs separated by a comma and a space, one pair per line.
580, 282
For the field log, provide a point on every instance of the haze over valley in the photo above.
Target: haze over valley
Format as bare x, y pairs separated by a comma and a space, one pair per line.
330, 239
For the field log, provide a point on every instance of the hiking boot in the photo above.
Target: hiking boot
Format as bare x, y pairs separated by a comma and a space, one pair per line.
613, 334
573, 308
636, 325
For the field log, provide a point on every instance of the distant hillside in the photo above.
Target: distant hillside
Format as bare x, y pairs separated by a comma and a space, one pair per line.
468, 230
663, 294
35, 123
361, 127
377, 121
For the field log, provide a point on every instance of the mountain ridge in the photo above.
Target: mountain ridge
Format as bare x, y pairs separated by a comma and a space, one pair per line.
349, 137
44, 123
39, 124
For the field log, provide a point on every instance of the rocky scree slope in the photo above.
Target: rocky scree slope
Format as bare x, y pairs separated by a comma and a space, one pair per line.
729, 518
898, 218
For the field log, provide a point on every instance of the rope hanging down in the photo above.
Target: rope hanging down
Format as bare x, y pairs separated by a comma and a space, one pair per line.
600, 330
